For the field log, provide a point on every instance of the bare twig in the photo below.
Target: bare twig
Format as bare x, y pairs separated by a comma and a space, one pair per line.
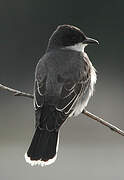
87, 113
16, 92
103, 122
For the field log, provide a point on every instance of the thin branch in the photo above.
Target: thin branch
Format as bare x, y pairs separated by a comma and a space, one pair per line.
16, 92
103, 122
87, 113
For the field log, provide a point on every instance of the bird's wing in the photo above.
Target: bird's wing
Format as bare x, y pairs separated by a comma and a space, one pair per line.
70, 96
71, 91
39, 84
46, 115
39, 91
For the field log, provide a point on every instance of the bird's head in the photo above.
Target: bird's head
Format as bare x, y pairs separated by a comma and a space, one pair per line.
67, 35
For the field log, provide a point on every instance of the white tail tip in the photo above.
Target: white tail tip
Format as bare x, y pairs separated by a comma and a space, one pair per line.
39, 162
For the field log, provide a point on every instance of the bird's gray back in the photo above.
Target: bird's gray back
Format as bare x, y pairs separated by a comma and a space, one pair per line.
59, 67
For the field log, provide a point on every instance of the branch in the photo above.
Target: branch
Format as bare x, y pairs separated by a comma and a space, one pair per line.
16, 92
103, 122
87, 113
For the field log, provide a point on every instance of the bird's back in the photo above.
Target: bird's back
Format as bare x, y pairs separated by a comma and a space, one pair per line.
58, 67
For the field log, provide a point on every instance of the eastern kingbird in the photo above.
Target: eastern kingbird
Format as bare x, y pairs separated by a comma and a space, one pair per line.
64, 83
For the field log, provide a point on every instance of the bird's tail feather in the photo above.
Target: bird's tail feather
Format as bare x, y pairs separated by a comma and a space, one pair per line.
43, 148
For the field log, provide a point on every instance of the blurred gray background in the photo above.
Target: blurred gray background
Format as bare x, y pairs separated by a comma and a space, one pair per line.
87, 150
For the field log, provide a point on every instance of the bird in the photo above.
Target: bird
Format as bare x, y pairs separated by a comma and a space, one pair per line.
64, 82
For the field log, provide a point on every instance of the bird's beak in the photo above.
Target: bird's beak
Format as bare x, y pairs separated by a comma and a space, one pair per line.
90, 41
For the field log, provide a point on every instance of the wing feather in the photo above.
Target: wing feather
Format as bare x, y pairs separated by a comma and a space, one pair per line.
71, 91
69, 97
39, 91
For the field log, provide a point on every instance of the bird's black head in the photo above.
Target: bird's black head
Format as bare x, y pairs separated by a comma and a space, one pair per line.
68, 35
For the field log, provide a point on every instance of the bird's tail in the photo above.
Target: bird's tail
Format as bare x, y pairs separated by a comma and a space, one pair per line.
43, 148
